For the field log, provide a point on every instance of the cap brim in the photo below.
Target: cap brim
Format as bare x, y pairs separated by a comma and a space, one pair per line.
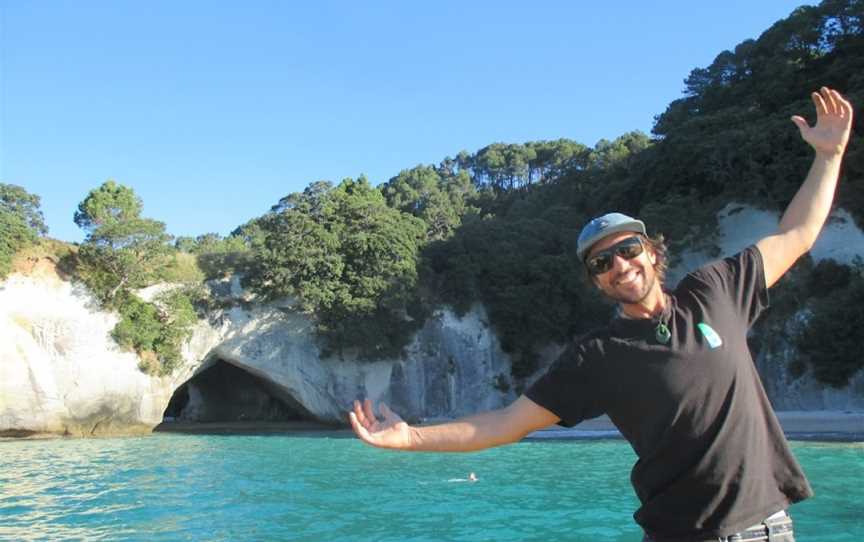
636, 226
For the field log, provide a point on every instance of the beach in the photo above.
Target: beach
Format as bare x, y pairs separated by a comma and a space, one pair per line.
797, 424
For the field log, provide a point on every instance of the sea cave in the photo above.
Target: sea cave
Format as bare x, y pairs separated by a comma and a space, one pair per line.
226, 393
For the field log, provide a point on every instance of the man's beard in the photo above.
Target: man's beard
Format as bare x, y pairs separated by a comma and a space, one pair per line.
638, 297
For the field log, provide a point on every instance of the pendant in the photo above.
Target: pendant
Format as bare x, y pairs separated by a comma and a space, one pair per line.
662, 334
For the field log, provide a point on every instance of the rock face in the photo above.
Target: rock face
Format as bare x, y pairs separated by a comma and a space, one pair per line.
453, 366
61, 373
805, 393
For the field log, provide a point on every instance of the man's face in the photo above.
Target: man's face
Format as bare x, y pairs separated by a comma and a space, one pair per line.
627, 281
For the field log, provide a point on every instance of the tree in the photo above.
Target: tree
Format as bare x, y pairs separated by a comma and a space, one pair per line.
830, 340
555, 159
122, 250
21, 223
18, 201
347, 257
439, 197
107, 204
298, 257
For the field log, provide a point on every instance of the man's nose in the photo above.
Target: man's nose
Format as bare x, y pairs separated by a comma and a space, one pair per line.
620, 264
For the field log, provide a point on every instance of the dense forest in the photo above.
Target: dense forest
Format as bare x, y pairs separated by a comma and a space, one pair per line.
498, 226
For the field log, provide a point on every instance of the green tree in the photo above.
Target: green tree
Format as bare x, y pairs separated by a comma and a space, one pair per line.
298, 257
346, 257
122, 251
831, 338
108, 204
439, 197
21, 223
18, 201
554, 159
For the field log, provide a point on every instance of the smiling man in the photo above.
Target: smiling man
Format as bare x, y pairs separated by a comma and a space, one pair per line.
672, 371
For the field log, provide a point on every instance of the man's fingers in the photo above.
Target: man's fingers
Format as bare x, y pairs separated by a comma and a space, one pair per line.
355, 423
821, 108
843, 104
367, 410
828, 98
359, 429
359, 415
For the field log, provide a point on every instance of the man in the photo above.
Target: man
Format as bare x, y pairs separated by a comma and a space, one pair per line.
672, 371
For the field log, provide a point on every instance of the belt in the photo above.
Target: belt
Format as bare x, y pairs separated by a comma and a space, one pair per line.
773, 525
776, 524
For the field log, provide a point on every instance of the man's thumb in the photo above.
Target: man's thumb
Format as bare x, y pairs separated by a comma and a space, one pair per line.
801, 124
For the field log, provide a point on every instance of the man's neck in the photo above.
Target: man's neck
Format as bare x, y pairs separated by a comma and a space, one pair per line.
649, 307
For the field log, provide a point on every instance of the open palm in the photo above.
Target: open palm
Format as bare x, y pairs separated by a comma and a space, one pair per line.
833, 122
391, 432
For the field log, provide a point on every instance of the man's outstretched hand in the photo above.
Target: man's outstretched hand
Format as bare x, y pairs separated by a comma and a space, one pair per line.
391, 432
833, 123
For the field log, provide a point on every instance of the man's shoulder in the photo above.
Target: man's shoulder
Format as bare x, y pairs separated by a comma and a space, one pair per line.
719, 270
595, 335
591, 342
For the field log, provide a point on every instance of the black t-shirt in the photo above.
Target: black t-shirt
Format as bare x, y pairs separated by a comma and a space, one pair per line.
713, 459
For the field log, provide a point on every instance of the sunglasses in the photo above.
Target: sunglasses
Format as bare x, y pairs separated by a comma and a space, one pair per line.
602, 261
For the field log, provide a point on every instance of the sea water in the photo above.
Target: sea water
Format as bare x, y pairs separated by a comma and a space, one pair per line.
199, 487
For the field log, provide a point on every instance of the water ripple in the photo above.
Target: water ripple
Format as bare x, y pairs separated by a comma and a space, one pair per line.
172, 487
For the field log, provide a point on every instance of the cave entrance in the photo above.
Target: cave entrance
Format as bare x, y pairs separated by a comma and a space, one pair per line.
224, 393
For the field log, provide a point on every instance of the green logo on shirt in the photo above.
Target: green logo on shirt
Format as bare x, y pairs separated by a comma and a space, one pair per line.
710, 335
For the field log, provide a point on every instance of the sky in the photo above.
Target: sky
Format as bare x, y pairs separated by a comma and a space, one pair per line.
212, 111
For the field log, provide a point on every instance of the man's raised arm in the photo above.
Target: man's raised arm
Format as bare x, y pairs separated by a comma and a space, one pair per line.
806, 213
494, 428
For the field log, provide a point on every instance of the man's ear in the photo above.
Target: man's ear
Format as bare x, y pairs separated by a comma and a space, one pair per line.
652, 254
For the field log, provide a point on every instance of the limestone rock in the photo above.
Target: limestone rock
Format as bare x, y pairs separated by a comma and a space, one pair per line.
60, 371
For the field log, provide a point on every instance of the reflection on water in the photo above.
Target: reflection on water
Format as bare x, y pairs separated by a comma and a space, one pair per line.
193, 487
80, 489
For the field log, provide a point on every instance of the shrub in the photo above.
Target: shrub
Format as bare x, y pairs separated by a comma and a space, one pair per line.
156, 331
831, 340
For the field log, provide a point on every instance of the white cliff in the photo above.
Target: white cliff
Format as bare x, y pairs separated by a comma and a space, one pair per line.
60, 372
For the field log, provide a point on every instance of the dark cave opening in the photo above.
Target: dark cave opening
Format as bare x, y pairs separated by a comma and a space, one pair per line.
226, 393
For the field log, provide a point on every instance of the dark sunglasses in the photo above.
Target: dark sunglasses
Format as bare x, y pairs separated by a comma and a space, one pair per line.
602, 261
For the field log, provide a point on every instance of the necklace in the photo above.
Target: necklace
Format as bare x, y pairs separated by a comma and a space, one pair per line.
661, 332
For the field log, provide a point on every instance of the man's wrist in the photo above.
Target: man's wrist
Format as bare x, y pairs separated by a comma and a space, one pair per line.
414, 438
830, 156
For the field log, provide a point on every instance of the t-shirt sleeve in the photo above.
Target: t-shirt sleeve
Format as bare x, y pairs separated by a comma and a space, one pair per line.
741, 279
569, 389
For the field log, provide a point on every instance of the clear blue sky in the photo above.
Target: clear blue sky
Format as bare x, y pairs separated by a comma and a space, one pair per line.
214, 110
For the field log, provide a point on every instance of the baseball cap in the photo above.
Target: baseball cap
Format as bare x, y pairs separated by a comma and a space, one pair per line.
603, 226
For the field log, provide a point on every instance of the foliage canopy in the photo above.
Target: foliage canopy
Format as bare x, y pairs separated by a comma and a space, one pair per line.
21, 223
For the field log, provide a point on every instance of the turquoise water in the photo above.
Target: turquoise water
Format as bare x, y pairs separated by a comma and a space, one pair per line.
191, 487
